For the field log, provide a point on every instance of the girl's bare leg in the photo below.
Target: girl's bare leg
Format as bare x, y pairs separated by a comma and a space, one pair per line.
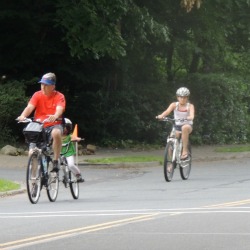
186, 130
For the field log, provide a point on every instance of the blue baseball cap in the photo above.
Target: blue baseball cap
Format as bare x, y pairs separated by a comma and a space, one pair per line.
48, 79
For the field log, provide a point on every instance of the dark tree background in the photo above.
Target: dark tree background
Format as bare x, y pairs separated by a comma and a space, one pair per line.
119, 63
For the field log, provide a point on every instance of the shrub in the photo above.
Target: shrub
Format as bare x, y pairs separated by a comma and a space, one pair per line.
221, 102
12, 101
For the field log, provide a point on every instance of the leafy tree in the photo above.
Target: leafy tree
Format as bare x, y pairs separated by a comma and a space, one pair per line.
93, 27
119, 62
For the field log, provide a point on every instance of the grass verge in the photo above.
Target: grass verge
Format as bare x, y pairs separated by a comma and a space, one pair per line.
233, 149
6, 185
125, 159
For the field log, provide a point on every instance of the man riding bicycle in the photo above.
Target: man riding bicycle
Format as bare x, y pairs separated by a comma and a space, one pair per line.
48, 105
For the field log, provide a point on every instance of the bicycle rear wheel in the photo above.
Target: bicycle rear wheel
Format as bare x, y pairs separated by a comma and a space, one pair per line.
185, 168
74, 185
33, 178
53, 183
169, 164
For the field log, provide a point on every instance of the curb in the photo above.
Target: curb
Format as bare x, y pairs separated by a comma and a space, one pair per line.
157, 163
13, 192
221, 158
120, 165
21, 190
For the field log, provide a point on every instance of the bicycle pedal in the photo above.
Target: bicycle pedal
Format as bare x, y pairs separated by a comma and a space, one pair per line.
65, 181
184, 165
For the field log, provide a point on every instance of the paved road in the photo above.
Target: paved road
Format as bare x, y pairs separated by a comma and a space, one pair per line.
134, 208
13, 167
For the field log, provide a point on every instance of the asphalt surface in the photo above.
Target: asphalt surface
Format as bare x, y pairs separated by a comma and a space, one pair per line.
199, 153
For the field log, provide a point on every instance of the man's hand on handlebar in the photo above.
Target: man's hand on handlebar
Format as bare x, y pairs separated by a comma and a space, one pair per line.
51, 118
21, 118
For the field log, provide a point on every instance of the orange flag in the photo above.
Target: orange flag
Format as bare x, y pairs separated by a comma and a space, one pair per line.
75, 132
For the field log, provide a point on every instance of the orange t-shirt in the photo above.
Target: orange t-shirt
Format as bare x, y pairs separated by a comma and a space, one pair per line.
46, 105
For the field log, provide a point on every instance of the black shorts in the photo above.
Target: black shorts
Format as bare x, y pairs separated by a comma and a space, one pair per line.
49, 129
179, 127
48, 134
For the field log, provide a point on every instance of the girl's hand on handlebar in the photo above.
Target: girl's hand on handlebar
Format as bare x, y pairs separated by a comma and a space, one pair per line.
75, 138
159, 117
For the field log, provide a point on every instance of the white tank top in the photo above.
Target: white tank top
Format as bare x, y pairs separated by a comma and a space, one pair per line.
182, 115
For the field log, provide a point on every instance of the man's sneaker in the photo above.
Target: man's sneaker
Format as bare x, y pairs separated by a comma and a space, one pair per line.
55, 166
79, 178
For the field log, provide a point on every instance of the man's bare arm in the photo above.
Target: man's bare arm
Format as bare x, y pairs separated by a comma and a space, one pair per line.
26, 112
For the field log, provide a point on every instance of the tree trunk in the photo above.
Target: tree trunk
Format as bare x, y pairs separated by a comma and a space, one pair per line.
170, 54
195, 63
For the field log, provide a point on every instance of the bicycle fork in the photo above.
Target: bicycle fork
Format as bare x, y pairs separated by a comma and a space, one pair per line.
177, 151
64, 167
175, 148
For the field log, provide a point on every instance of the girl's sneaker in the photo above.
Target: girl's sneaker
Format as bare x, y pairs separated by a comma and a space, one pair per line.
79, 178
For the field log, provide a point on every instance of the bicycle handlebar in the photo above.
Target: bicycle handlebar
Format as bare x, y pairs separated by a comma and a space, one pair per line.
27, 120
168, 119
67, 143
172, 120
82, 139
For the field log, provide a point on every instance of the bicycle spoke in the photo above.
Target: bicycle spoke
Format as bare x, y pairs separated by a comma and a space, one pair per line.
74, 185
33, 178
169, 163
53, 183
185, 167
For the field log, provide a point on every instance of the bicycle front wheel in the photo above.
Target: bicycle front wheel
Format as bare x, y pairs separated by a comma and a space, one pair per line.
33, 178
169, 162
74, 185
185, 167
53, 183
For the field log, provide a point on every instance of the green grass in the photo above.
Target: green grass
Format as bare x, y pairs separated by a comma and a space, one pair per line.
233, 149
125, 159
6, 185
131, 159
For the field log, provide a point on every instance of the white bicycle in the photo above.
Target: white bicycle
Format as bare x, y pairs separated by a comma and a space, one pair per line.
172, 155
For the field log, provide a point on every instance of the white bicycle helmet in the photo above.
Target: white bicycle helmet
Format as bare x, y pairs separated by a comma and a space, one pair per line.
68, 124
182, 92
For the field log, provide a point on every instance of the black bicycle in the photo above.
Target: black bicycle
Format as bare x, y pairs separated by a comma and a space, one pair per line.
172, 155
39, 169
69, 179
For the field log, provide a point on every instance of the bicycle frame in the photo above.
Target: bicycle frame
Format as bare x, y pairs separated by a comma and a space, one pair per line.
177, 148
176, 140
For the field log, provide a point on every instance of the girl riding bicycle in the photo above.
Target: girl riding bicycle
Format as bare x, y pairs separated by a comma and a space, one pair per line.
69, 151
184, 115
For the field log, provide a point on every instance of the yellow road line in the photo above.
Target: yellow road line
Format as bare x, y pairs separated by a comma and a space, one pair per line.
88, 229
102, 226
229, 204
